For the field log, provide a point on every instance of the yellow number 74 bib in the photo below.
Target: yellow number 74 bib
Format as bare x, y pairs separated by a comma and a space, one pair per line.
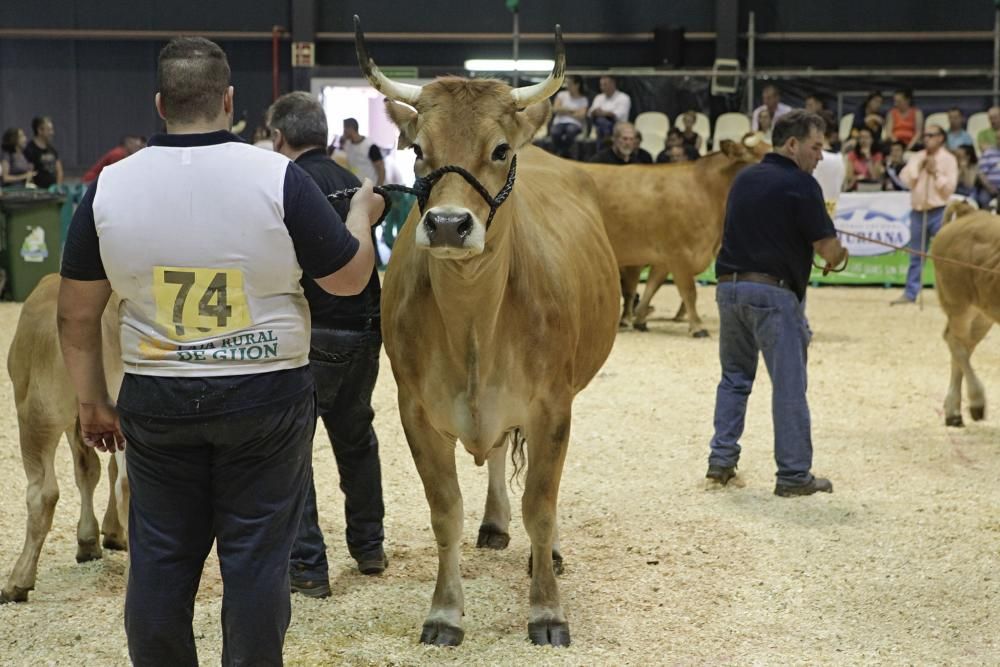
194, 303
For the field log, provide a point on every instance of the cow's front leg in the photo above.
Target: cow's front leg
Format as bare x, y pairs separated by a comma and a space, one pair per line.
684, 280
494, 532
548, 436
657, 274
629, 276
434, 455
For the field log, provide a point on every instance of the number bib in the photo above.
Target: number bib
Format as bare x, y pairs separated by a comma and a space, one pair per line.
193, 303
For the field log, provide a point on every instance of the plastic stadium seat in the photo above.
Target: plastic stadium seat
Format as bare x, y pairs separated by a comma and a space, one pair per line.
977, 123
701, 126
652, 142
846, 123
730, 126
655, 122
940, 118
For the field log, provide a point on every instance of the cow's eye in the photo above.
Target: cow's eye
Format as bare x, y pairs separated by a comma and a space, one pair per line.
418, 151
500, 152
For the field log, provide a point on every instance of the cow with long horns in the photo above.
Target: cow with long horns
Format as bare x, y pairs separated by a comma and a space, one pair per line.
497, 310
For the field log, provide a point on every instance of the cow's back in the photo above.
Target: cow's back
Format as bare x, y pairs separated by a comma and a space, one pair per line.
973, 240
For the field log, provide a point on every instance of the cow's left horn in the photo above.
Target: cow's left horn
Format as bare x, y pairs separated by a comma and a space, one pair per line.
394, 90
528, 95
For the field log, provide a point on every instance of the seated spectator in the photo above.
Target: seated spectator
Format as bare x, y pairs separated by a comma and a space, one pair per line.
771, 98
831, 171
971, 182
864, 162
128, 145
15, 170
989, 166
765, 125
894, 166
676, 139
611, 106
904, 121
690, 137
569, 113
869, 115
957, 136
624, 148
42, 154
814, 104
987, 138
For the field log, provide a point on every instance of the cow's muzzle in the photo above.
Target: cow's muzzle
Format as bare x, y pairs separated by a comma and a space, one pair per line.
450, 228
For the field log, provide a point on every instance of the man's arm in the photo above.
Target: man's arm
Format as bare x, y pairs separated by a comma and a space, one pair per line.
366, 208
832, 252
81, 304
912, 169
59, 172
375, 155
945, 176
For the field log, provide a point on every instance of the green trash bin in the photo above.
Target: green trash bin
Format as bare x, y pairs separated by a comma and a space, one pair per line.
32, 238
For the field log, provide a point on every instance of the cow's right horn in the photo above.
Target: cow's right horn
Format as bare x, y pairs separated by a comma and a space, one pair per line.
528, 95
394, 90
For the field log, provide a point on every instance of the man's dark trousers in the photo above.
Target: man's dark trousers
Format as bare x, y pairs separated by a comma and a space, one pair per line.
240, 481
345, 366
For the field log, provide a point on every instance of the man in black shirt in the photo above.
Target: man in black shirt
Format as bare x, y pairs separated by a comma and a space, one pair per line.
775, 221
43, 155
344, 358
624, 148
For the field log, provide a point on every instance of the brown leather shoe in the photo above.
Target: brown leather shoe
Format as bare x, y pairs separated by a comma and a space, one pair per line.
816, 485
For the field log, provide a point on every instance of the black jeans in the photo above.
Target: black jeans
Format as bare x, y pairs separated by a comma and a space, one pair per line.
345, 366
238, 481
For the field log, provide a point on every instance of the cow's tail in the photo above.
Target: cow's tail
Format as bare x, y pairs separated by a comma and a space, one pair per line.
517, 459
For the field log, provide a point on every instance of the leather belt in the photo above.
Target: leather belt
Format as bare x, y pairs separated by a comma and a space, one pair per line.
752, 277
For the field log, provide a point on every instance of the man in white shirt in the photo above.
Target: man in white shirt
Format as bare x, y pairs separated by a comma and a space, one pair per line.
611, 106
771, 98
363, 157
831, 171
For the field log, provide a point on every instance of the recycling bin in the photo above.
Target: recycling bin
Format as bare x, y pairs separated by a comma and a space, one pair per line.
31, 238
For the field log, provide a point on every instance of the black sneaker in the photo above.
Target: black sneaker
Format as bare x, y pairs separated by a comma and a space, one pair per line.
311, 588
816, 485
374, 564
721, 474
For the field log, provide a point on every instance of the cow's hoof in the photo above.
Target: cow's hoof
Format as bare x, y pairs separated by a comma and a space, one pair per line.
437, 633
978, 414
549, 633
491, 537
114, 543
14, 594
953, 420
557, 563
88, 551
640, 326
700, 333
623, 324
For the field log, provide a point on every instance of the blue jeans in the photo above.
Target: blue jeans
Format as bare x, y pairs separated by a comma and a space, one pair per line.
345, 365
760, 318
239, 481
563, 135
605, 127
934, 218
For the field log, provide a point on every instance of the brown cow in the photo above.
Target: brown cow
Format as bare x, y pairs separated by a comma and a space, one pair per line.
669, 216
46, 408
492, 329
970, 299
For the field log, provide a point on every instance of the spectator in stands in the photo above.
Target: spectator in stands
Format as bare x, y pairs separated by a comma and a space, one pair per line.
957, 136
865, 162
814, 104
989, 166
987, 138
128, 145
610, 107
765, 124
42, 154
15, 170
971, 182
904, 121
569, 113
690, 137
771, 98
931, 175
831, 171
624, 148
674, 139
869, 115
363, 157
894, 167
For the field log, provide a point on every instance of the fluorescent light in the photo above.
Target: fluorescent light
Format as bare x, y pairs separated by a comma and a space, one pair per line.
487, 65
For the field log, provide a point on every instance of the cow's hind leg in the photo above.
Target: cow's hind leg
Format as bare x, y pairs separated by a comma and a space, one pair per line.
630, 283
684, 281
115, 523
38, 450
494, 532
87, 471
977, 395
547, 439
962, 334
434, 456
657, 274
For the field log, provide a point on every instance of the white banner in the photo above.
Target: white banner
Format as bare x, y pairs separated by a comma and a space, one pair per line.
882, 216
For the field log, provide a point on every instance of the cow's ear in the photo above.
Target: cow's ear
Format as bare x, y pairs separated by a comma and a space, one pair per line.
405, 118
529, 120
730, 148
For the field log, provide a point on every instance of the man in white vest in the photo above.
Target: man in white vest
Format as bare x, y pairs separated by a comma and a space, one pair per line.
363, 157
204, 238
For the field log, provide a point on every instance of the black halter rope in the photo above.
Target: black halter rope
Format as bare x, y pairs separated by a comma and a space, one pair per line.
422, 189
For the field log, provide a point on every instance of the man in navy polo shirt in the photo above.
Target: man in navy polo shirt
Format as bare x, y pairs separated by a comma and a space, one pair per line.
775, 221
204, 239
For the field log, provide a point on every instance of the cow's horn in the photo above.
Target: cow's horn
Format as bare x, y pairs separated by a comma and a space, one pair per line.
528, 95
394, 90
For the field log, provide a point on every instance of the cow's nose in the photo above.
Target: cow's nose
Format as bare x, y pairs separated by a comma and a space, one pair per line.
448, 229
